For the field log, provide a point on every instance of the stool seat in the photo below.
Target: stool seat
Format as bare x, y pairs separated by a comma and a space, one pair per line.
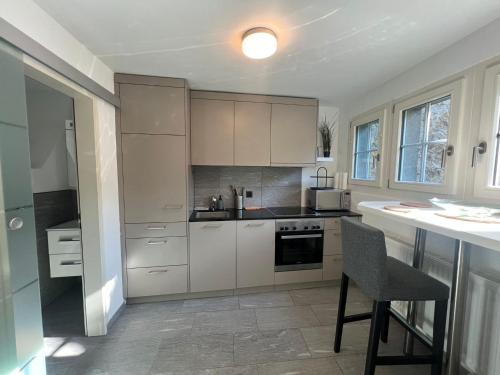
405, 283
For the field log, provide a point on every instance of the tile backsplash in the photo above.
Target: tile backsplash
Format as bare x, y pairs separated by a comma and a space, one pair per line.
271, 186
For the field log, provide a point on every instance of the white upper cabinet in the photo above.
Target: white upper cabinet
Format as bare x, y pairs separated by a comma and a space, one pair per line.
161, 109
212, 132
255, 253
154, 178
293, 134
252, 134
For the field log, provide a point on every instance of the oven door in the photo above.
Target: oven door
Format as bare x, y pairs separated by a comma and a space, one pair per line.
298, 251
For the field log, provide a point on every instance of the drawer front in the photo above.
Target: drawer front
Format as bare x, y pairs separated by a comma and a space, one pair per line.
155, 230
64, 241
333, 243
332, 224
65, 265
332, 267
155, 281
151, 252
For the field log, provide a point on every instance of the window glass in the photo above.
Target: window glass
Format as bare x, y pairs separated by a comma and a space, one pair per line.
366, 151
496, 170
424, 138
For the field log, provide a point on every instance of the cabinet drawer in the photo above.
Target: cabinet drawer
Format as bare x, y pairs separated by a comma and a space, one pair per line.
147, 230
151, 252
332, 267
333, 243
332, 224
65, 265
64, 241
155, 281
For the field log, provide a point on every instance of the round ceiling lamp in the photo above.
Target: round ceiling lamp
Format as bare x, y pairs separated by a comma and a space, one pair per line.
259, 43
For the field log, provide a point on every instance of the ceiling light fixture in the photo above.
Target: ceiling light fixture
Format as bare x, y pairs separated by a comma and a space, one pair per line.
259, 43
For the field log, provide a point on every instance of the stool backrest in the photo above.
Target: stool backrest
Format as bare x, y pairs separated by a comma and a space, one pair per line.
364, 255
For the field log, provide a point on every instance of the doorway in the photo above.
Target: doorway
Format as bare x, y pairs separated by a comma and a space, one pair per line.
54, 178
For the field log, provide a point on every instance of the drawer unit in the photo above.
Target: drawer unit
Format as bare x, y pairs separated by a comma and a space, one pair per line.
147, 230
332, 267
332, 224
157, 251
64, 241
155, 281
333, 243
65, 265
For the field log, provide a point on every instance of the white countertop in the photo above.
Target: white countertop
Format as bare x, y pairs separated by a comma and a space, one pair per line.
480, 234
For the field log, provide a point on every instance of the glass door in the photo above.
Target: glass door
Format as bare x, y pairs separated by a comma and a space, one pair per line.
21, 335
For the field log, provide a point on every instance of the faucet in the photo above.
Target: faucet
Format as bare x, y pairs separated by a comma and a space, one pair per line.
213, 203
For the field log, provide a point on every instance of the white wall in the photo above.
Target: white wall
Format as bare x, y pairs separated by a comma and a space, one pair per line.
48, 111
28, 17
477, 47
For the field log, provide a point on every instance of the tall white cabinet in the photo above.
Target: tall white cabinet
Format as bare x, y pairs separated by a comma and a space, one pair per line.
154, 140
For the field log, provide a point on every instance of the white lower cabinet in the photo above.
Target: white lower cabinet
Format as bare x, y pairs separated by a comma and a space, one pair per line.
332, 267
156, 281
151, 252
255, 253
212, 255
333, 243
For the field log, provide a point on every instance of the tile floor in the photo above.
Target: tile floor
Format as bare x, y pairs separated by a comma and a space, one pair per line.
286, 332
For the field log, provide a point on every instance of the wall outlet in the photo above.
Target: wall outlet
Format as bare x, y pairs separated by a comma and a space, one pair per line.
249, 194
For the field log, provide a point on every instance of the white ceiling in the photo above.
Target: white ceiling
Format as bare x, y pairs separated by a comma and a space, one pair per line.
330, 49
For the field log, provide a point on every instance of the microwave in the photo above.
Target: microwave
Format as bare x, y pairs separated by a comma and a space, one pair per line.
328, 199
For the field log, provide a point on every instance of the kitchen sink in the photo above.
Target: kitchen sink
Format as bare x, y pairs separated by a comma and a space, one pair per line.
211, 215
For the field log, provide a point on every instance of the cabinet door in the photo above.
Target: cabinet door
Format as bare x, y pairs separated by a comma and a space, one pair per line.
212, 255
152, 109
154, 178
293, 134
252, 133
333, 243
255, 253
332, 267
212, 132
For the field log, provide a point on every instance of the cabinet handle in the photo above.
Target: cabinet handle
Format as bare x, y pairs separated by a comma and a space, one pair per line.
157, 242
69, 240
70, 262
16, 223
255, 225
212, 226
158, 271
173, 206
157, 228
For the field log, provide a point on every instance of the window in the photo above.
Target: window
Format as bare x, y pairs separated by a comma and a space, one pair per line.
487, 165
426, 128
366, 145
366, 151
424, 138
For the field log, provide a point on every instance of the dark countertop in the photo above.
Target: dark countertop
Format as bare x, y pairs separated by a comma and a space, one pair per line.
268, 214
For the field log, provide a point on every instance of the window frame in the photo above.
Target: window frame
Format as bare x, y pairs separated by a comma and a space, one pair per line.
489, 127
379, 114
455, 91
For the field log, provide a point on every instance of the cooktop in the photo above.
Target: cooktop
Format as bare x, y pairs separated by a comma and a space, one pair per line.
292, 211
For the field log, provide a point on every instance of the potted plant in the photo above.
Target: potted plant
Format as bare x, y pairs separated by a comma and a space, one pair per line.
326, 129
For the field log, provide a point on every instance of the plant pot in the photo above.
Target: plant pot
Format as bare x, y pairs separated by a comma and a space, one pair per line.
326, 154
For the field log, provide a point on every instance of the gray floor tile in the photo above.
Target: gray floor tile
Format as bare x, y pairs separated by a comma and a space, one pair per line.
219, 322
327, 313
355, 365
269, 346
321, 366
210, 304
171, 325
262, 300
315, 296
286, 317
239, 370
193, 353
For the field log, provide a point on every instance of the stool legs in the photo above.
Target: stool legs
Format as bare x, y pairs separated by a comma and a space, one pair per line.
341, 313
385, 327
439, 327
378, 317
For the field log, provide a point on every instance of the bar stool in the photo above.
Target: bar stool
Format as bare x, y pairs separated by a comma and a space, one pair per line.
386, 279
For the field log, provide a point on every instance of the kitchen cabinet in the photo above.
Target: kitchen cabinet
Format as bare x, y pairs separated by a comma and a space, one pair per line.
212, 132
255, 253
252, 134
161, 109
154, 178
151, 252
293, 134
156, 281
332, 243
332, 267
212, 255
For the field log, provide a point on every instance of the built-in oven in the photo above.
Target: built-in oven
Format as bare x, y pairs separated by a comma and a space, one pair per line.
298, 245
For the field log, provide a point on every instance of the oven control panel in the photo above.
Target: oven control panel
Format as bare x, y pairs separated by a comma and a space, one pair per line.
290, 225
